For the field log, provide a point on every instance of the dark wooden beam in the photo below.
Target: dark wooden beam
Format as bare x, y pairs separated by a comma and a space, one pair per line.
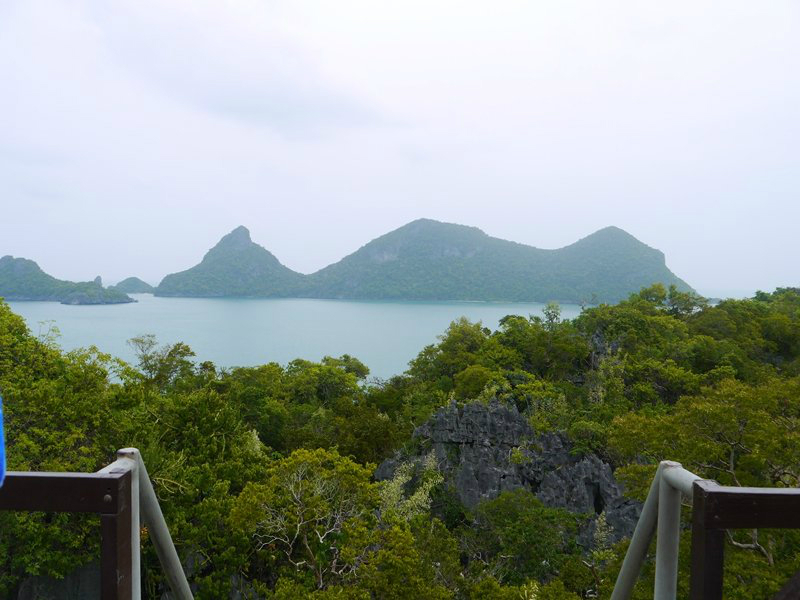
708, 544
752, 508
717, 508
60, 492
116, 546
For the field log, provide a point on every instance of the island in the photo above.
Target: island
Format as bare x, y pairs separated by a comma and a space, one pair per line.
133, 285
430, 260
23, 279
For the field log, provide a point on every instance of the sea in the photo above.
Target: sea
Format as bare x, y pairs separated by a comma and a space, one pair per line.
231, 332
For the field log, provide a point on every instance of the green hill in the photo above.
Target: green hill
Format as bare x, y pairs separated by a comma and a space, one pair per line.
429, 260
22, 279
133, 285
234, 267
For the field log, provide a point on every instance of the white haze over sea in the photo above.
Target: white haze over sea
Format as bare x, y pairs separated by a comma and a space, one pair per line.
135, 133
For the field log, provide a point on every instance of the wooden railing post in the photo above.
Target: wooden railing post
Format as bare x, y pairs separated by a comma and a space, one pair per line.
708, 544
108, 493
116, 581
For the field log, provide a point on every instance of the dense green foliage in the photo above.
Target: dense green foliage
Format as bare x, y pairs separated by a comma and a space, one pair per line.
265, 473
22, 279
428, 260
133, 285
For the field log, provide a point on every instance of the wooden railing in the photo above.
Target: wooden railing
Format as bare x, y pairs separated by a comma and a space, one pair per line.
715, 508
120, 493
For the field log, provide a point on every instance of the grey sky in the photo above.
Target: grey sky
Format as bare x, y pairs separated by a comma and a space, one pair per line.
134, 134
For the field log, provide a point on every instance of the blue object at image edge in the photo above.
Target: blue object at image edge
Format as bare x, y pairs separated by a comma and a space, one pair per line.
2, 446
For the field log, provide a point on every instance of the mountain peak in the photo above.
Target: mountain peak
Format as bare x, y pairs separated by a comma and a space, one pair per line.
238, 238
611, 232
430, 229
423, 222
134, 285
611, 229
610, 236
235, 266
434, 225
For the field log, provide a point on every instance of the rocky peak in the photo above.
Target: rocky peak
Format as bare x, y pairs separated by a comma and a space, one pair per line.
237, 239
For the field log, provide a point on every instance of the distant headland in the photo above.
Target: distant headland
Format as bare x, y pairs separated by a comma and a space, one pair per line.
431, 260
422, 260
23, 279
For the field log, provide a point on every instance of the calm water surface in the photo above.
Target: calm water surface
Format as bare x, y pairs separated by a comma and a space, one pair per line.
246, 332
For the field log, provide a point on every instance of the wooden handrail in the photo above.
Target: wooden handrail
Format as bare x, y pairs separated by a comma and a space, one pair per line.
117, 493
715, 508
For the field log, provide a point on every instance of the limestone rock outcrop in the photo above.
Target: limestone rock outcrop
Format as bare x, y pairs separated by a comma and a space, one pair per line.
483, 450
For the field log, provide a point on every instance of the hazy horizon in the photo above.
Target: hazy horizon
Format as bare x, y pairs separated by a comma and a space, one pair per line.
136, 134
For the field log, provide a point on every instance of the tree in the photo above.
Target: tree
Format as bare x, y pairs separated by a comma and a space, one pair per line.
738, 434
683, 304
396, 570
307, 506
59, 416
399, 505
471, 381
348, 364
458, 349
515, 538
162, 365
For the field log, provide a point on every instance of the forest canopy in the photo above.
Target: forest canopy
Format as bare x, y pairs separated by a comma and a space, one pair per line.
266, 475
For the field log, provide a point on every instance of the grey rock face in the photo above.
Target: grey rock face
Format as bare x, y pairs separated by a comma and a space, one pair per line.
474, 445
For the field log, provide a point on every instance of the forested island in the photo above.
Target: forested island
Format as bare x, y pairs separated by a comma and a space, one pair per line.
423, 260
430, 260
502, 464
23, 279
133, 285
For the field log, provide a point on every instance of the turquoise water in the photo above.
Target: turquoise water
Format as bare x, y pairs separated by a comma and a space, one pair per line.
246, 332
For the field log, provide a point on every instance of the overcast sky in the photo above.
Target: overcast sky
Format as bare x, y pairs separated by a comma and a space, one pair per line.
134, 134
